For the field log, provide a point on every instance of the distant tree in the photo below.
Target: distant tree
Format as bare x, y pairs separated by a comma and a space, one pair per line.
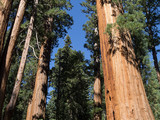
93, 44
150, 80
151, 10
70, 85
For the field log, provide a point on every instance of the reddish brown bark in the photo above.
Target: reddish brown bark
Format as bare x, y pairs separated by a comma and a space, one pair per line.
124, 91
11, 106
29, 109
4, 15
7, 60
40, 90
97, 98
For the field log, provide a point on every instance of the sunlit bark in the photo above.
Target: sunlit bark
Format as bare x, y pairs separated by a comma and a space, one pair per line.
7, 60
124, 91
11, 105
40, 90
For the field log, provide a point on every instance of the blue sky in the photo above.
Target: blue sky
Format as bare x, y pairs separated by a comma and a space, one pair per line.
76, 32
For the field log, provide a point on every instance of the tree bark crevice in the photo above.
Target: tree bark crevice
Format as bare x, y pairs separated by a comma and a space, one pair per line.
125, 95
37, 109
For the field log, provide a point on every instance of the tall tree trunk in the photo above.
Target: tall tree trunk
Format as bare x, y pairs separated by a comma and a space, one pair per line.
29, 109
153, 49
124, 91
154, 54
11, 106
40, 90
97, 83
4, 16
149, 16
7, 60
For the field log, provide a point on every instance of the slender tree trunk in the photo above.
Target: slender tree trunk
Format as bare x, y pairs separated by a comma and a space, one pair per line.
154, 54
7, 60
124, 91
150, 32
4, 53
11, 106
4, 16
97, 83
40, 90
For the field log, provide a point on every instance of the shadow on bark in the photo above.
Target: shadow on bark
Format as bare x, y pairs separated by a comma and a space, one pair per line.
124, 45
41, 105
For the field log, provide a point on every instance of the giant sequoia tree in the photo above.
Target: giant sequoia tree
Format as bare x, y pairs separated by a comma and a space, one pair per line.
124, 90
125, 35
54, 28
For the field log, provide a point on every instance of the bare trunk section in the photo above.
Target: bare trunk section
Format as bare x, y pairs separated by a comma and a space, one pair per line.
7, 60
4, 16
124, 91
29, 114
11, 106
40, 90
97, 83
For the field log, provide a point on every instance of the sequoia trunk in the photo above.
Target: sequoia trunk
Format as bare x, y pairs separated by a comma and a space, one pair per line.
4, 15
97, 82
10, 107
7, 60
124, 91
40, 90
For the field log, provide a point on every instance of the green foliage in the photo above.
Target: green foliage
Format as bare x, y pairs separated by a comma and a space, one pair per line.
57, 10
133, 18
91, 26
132, 21
151, 86
109, 29
152, 13
70, 85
